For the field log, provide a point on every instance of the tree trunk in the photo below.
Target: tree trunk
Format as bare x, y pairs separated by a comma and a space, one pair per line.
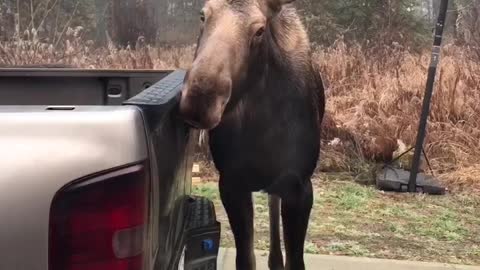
100, 22
469, 22
133, 19
436, 9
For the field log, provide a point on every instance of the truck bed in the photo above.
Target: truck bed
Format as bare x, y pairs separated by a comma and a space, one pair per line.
69, 86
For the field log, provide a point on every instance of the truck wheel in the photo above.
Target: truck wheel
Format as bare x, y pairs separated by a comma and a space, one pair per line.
203, 236
202, 213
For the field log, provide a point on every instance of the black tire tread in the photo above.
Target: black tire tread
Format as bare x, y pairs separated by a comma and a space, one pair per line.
202, 213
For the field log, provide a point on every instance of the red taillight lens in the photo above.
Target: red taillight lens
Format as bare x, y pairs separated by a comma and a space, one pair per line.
100, 223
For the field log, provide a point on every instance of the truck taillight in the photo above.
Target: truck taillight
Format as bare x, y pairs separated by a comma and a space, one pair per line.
101, 223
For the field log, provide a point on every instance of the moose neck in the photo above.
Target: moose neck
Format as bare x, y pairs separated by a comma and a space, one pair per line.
283, 63
272, 82
280, 70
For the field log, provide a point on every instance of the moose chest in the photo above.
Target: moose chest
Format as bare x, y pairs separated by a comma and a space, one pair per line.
262, 138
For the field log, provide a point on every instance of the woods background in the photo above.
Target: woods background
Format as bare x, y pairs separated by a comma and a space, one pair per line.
373, 56
173, 22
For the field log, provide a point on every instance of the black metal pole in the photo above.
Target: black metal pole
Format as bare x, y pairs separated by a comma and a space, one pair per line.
432, 70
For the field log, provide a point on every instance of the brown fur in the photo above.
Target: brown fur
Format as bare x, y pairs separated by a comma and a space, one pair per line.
291, 37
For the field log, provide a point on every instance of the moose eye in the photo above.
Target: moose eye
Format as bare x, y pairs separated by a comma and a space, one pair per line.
260, 32
202, 16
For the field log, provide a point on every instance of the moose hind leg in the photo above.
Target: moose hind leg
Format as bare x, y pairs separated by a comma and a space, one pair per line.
296, 210
239, 208
275, 257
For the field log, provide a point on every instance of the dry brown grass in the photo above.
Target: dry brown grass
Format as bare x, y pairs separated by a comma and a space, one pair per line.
374, 98
74, 51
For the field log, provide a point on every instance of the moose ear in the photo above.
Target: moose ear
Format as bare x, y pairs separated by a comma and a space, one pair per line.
277, 4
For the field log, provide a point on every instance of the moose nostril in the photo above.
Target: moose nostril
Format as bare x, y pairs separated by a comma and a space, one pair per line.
192, 123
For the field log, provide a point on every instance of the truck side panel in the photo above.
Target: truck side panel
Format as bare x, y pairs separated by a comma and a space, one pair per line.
42, 151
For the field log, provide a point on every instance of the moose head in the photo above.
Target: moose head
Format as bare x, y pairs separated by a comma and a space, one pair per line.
232, 44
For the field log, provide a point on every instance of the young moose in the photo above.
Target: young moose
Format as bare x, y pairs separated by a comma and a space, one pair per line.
253, 87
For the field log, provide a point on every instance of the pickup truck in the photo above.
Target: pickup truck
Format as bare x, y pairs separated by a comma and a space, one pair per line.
95, 173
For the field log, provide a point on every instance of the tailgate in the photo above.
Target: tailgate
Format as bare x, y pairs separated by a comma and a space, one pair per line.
44, 149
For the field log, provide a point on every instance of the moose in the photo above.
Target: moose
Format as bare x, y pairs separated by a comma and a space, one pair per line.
254, 88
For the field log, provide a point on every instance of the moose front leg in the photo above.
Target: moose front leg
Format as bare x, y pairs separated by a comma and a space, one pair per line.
296, 210
275, 258
239, 208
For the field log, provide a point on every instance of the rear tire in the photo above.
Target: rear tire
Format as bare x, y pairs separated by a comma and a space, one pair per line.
201, 246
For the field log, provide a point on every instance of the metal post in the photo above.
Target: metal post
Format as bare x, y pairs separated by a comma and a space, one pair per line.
432, 70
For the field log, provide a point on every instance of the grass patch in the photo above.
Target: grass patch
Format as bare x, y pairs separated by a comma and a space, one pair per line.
207, 190
355, 220
347, 248
311, 248
352, 197
446, 226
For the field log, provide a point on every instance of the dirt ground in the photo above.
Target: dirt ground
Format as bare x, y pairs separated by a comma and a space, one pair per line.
356, 220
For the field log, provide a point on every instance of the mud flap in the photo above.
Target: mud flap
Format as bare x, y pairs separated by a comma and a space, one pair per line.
203, 236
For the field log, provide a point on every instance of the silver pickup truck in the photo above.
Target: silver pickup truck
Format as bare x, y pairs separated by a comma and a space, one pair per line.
95, 174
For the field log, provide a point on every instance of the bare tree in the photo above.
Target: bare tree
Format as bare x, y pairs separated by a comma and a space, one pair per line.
132, 19
468, 23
